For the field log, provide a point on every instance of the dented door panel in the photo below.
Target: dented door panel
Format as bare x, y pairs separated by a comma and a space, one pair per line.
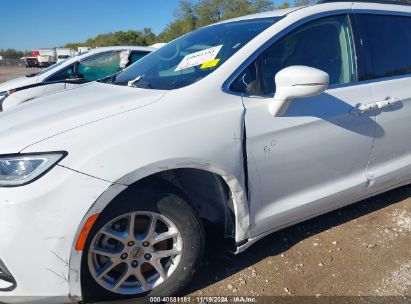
311, 160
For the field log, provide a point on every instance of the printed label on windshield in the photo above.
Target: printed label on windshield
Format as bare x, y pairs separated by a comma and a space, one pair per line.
198, 58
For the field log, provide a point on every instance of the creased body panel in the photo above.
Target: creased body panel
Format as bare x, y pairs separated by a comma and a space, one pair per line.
312, 158
38, 223
191, 128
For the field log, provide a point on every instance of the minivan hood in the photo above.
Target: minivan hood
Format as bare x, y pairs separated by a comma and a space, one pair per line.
17, 83
53, 114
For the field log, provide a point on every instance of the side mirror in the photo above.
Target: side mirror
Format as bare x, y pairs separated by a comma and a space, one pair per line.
296, 81
79, 78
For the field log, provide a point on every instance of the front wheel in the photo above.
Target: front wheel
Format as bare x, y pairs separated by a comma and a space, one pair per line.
149, 243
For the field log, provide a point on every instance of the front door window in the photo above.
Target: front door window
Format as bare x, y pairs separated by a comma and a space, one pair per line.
99, 66
325, 44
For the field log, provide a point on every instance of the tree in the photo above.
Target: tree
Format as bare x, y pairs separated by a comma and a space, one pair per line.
12, 53
131, 37
304, 2
285, 4
185, 21
175, 29
211, 11
191, 16
148, 36
187, 17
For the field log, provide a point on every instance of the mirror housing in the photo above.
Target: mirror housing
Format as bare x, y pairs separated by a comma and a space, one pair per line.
296, 81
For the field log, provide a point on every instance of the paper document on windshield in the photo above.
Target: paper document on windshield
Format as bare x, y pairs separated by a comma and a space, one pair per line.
198, 58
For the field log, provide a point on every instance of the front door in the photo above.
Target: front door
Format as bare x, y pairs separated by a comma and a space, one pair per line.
314, 157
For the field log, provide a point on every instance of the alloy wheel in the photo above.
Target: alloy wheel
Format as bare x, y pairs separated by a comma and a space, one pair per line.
135, 252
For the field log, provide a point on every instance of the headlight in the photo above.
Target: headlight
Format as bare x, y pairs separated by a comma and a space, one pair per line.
21, 169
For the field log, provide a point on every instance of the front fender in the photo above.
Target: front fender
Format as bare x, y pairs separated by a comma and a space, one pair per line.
239, 199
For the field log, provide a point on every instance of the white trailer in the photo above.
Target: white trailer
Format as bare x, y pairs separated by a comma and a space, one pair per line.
47, 57
83, 49
64, 53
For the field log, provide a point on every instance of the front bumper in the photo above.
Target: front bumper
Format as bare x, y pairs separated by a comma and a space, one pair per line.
38, 225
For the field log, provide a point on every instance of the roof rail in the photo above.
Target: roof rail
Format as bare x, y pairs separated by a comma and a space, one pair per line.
368, 1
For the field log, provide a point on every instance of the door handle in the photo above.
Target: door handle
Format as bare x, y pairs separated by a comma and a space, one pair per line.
387, 102
363, 108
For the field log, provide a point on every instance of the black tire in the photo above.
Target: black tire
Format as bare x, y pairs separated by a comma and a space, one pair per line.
169, 202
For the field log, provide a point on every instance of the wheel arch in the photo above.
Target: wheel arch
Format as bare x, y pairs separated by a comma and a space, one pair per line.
237, 201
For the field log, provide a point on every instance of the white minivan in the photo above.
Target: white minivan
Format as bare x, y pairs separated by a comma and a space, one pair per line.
251, 124
93, 65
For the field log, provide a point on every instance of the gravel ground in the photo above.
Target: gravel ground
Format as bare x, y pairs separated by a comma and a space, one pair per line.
7, 73
361, 250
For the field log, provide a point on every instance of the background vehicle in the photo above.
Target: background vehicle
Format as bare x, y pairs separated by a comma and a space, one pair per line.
311, 107
31, 62
47, 57
96, 64
64, 53
83, 49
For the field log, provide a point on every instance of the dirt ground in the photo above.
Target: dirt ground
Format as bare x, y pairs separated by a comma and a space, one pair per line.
7, 73
361, 250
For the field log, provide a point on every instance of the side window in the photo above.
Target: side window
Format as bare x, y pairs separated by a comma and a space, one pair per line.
99, 66
136, 56
389, 44
325, 44
62, 74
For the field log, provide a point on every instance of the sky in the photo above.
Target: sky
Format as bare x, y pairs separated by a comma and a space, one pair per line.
29, 25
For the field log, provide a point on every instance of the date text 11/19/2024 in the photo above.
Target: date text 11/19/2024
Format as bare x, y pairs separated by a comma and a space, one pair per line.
205, 299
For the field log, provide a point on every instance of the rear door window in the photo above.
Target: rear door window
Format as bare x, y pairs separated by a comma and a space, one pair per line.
388, 38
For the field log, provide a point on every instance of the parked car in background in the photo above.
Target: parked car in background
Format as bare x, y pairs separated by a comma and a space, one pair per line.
158, 45
250, 125
64, 53
93, 65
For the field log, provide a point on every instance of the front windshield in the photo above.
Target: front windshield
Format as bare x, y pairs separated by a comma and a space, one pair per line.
192, 57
